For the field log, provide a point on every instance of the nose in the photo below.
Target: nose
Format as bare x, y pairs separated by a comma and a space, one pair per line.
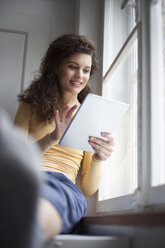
79, 73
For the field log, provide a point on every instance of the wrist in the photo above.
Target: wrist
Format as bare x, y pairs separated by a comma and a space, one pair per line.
53, 137
95, 159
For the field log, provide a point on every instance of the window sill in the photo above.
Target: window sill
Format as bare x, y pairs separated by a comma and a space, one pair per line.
131, 219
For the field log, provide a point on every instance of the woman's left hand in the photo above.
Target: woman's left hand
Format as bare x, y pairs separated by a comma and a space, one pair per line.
103, 149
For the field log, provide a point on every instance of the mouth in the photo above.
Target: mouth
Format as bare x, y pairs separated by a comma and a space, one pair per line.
76, 83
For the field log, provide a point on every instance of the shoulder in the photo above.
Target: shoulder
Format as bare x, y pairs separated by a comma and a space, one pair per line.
24, 111
25, 106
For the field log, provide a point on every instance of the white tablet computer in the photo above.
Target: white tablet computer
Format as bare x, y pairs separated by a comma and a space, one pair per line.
96, 114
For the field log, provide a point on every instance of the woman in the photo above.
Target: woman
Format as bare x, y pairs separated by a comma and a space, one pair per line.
46, 109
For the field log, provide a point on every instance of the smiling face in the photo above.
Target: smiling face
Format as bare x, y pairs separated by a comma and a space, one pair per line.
74, 73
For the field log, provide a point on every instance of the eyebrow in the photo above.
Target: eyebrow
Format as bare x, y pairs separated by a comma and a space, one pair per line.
68, 62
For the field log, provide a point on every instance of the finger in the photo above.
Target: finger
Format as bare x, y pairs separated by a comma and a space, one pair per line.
109, 137
64, 112
101, 149
71, 111
57, 117
101, 143
67, 112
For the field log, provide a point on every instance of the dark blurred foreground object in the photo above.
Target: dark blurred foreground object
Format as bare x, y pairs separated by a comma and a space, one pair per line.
19, 188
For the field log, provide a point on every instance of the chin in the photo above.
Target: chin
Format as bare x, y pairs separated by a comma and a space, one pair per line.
77, 91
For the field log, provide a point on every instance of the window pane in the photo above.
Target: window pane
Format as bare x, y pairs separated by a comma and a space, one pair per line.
119, 23
158, 92
120, 171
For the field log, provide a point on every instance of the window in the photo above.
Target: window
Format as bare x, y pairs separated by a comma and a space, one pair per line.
134, 72
158, 93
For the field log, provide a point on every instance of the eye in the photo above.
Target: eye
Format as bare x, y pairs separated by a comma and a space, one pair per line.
72, 67
86, 70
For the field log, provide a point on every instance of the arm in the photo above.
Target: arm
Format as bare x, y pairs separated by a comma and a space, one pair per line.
91, 175
92, 163
62, 120
22, 119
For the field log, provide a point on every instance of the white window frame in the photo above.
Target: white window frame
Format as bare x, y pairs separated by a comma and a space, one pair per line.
145, 196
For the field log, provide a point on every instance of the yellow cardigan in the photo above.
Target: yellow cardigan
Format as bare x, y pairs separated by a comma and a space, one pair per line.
58, 158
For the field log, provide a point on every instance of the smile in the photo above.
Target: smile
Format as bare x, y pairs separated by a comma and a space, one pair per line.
77, 84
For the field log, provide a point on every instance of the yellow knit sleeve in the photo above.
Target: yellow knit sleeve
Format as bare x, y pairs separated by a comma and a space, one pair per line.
91, 174
22, 117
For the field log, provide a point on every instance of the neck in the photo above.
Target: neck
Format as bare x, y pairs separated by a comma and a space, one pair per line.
70, 99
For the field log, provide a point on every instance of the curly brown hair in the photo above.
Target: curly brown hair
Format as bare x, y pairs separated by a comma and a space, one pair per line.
44, 91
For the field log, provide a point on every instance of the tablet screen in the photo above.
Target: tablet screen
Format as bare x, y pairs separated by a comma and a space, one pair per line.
96, 114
